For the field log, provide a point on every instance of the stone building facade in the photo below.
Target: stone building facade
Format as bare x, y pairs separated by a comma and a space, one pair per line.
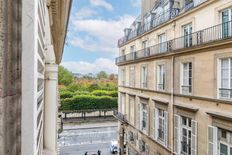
32, 35
175, 79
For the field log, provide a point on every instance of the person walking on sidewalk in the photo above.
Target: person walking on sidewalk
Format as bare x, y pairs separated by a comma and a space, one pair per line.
98, 152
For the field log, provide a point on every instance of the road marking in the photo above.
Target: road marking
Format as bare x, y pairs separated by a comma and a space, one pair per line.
85, 133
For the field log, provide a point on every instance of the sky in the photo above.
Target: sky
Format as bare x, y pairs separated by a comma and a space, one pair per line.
94, 29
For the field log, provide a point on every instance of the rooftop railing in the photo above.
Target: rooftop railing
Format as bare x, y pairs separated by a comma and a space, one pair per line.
157, 20
218, 32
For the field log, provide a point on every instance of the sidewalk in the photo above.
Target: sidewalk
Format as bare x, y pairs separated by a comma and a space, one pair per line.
90, 125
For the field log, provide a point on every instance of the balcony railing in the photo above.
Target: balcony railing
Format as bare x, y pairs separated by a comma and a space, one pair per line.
121, 117
216, 33
159, 19
225, 93
155, 21
186, 89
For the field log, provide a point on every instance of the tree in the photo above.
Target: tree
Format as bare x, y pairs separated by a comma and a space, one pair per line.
65, 77
102, 75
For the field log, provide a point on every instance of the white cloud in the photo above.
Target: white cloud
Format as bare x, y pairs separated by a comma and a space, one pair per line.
85, 12
100, 35
101, 64
101, 3
136, 3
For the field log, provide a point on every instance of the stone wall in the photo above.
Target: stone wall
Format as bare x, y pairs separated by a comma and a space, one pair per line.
10, 77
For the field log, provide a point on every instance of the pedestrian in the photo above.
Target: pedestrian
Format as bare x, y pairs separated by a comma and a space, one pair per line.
98, 152
86, 153
120, 151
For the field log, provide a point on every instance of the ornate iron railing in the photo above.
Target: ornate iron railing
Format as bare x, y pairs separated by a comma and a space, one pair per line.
121, 117
158, 19
218, 32
225, 93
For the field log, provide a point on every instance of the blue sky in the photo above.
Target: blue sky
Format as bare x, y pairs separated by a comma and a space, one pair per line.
94, 28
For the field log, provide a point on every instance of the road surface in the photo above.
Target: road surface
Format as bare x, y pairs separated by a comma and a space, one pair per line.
77, 139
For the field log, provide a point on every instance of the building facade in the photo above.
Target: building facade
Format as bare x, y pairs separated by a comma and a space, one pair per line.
32, 37
175, 79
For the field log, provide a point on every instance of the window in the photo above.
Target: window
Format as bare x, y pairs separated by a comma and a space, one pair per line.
132, 49
161, 128
123, 52
186, 130
226, 20
162, 43
186, 86
122, 77
161, 77
185, 135
144, 117
225, 85
225, 142
132, 76
147, 22
144, 77
146, 49
187, 29
122, 101
132, 109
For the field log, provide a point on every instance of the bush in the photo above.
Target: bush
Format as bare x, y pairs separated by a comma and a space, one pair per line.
66, 94
89, 102
105, 93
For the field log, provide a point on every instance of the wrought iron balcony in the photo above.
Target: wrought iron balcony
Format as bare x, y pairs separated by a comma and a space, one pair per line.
218, 32
159, 19
225, 93
155, 21
121, 117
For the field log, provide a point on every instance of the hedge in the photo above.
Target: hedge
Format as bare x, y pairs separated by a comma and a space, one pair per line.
89, 102
105, 93
66, 94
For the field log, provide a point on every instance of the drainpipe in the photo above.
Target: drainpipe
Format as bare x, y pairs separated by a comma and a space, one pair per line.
51, 100
172, 92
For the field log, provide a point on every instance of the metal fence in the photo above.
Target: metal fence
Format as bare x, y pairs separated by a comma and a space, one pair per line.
218, 32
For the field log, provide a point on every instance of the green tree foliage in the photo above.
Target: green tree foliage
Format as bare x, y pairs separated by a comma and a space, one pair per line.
65, 77
102, 75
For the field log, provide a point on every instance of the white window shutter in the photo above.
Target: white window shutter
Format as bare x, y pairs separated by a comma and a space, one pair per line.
166, 128
212, 140
147, 149
194, 138
148, 122
138, 117
177, 134
156, 123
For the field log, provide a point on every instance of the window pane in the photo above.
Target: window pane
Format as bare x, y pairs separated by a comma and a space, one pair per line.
223, 149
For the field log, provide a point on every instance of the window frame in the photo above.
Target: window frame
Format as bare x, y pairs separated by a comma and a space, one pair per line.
229, 78
144, 76
188, 78
159, 77
189, 139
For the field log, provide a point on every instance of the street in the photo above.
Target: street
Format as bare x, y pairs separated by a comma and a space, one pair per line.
78, 139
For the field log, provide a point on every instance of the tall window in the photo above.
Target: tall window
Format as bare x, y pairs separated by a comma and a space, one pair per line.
225, 88
187, 29
123, 77
132, 76
162, 43
161, 128
122, 101
147, 22
225, 142
226, 20
132, 109
144, 76
160, 77
132, 49
144, 117
186, 130
145, 47
186, 86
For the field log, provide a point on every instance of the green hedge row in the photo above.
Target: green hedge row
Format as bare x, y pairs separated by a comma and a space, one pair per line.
67, 94
89, 102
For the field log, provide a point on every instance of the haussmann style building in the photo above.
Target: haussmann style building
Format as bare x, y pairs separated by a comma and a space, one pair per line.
175, 79
32, 37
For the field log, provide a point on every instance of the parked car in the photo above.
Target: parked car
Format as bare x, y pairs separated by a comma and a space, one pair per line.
113, 147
